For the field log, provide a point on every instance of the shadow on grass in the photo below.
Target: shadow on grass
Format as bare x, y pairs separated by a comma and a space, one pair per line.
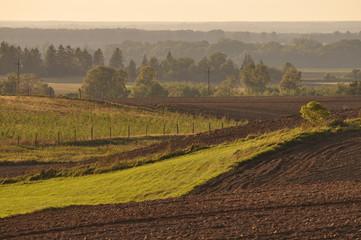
118, 141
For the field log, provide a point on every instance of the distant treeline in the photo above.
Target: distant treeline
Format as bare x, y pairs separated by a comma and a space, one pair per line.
98, 38
191, 59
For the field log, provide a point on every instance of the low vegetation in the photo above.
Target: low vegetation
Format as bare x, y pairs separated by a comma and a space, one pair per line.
42, 120
315, 112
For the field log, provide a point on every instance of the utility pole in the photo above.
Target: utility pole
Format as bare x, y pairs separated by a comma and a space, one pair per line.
209, 80
18, 83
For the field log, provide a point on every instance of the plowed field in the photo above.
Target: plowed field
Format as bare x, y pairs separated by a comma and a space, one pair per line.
309, 191
242, 108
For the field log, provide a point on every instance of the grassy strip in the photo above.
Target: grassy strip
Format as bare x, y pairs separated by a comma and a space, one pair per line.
172, 177
99, 167
73, 152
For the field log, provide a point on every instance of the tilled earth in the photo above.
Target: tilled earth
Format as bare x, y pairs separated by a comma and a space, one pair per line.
242, 108
307, 191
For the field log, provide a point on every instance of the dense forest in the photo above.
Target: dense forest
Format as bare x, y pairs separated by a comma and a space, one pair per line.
190, 60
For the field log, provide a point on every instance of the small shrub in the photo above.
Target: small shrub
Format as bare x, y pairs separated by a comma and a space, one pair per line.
315, 113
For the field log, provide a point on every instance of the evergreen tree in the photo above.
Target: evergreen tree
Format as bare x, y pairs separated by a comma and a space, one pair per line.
98, 58
170, 57
132, 70
116, 60
84, 59
61, 60
145, 61
51, 61
154, 63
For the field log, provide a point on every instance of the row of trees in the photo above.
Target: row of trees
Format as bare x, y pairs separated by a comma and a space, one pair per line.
190, 63
61, 61
302, 52
109, 82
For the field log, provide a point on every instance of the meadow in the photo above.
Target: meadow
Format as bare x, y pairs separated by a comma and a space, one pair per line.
43, 120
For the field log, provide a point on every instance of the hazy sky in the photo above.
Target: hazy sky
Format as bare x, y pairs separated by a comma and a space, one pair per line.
181, 10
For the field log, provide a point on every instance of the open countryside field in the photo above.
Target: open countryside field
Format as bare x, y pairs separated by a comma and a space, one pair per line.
269, 179
242, 108
318, 73
244, 202
54, 120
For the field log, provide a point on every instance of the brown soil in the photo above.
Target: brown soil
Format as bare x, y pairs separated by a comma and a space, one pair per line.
308, 191
242, 108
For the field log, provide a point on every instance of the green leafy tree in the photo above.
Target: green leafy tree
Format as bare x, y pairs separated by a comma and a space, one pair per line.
29, 84
286, 66
255, 78
116, 60
353, 88
315, 112
227, 87
146, 84
290, 82
247, 61
103, 82
354, 75
329, 78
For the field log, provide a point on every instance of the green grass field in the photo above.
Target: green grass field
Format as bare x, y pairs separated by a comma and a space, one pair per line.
47, 120
168, 178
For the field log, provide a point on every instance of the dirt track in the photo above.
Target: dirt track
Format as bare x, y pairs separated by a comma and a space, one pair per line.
308, 191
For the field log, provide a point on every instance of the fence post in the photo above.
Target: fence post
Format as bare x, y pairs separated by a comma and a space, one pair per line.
209, 127
192, 128
146, 130
110, 131
58, 137
74, 135
91, 133
163, 129
128, 131
36, 139
177, 129
222, 125
18, 140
